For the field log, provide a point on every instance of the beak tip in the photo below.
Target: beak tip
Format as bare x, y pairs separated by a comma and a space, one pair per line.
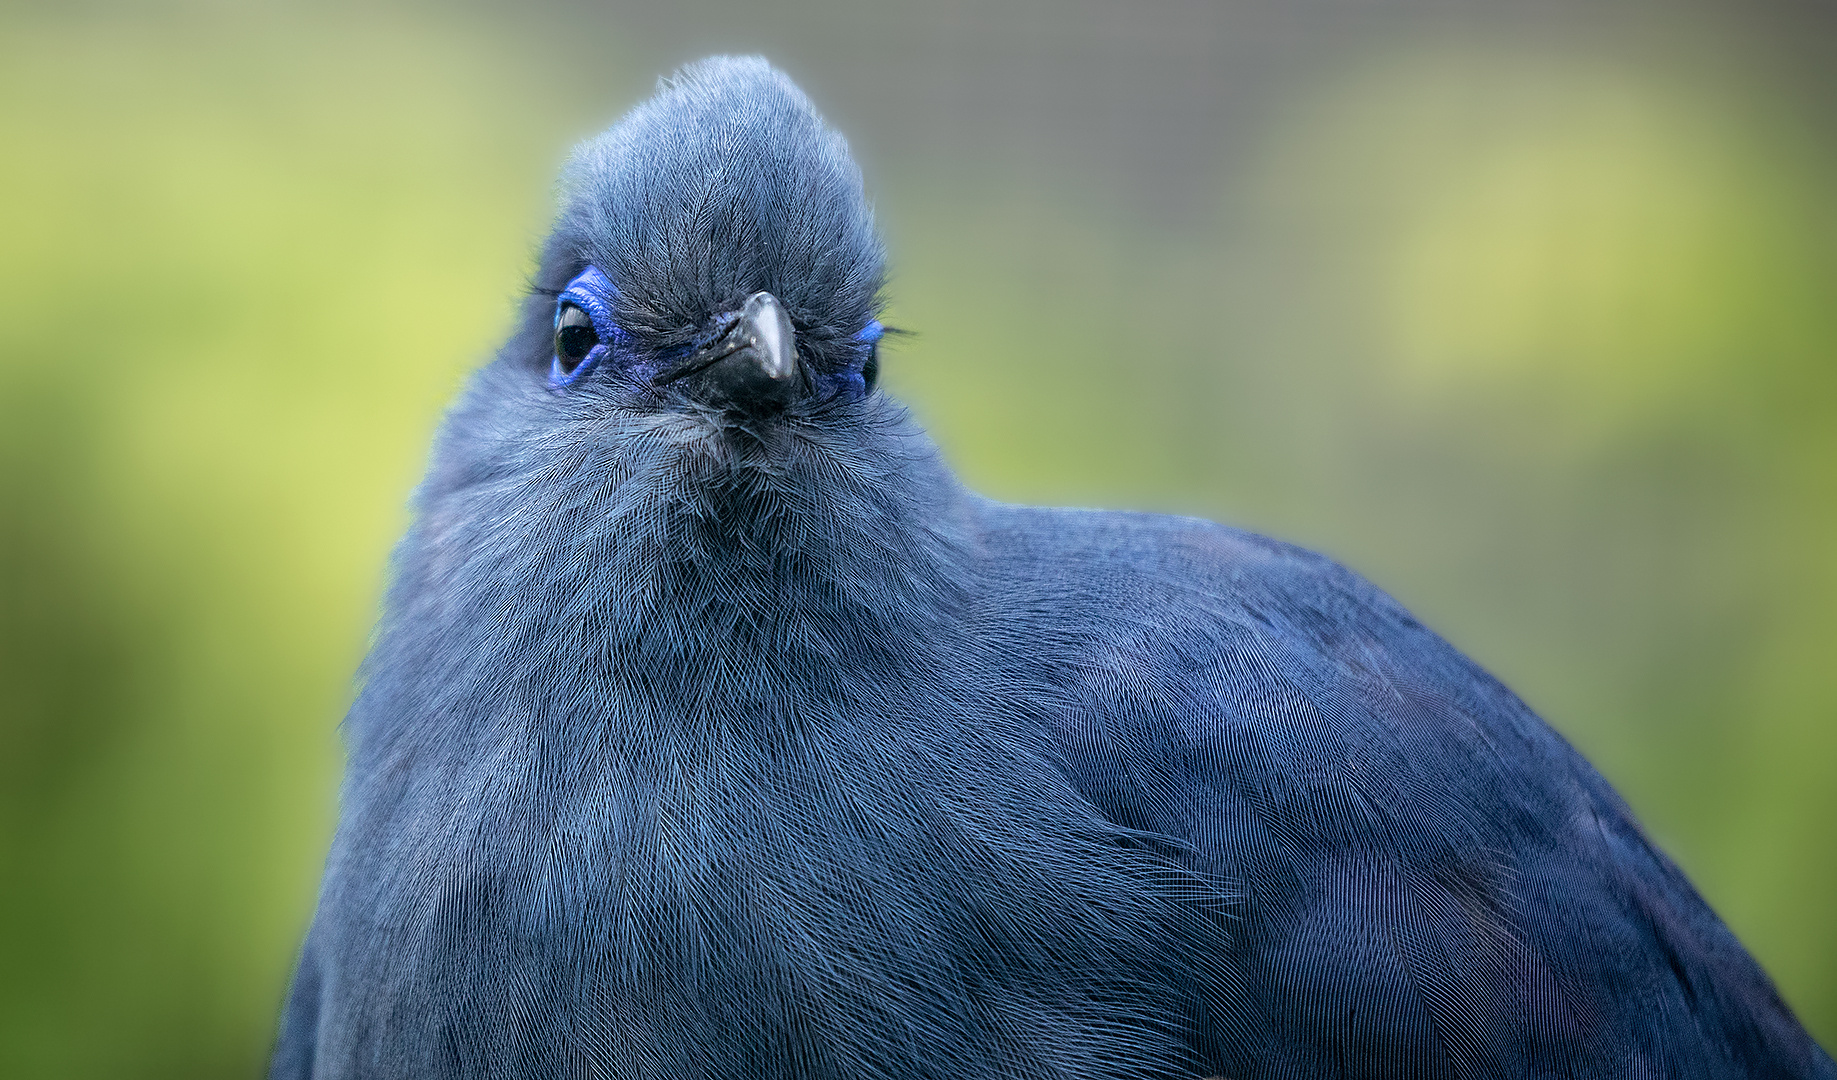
774, 338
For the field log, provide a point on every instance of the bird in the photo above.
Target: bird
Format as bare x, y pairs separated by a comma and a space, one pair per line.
713, 728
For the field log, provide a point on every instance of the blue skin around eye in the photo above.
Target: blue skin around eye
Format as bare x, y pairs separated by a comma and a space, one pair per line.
853, 378
593, 293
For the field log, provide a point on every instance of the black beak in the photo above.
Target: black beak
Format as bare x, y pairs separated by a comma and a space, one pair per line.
752, 365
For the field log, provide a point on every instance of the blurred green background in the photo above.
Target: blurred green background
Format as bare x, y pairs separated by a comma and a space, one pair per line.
1527, 312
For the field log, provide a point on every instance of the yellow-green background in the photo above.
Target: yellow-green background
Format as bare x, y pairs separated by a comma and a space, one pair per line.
1529, 313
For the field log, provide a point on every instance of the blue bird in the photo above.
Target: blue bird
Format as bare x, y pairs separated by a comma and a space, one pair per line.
713, 730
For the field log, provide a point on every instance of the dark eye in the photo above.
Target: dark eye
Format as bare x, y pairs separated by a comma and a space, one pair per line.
870, 369
574, 337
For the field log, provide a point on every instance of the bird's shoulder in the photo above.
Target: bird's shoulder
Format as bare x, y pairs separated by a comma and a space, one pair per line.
1179, 571
1420, 860
1154, 588
1178, 643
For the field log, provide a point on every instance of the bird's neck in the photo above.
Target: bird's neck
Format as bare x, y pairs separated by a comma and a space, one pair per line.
686, 586
790, 574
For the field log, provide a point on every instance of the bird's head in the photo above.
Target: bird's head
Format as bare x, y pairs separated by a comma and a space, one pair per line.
716, 254
685, 433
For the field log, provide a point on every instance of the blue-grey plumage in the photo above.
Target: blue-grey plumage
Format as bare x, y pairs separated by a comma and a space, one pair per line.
713, 730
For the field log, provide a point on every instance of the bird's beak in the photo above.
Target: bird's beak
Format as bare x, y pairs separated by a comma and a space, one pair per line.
752, 365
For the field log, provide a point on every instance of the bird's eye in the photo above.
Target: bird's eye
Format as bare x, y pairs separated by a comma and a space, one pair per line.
869, 337
870, 368
575, 337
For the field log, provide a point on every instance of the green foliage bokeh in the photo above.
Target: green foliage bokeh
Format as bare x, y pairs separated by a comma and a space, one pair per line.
1538, 337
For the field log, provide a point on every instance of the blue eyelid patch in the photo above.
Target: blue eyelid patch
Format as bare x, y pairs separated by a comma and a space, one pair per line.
852, 377
592, 292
